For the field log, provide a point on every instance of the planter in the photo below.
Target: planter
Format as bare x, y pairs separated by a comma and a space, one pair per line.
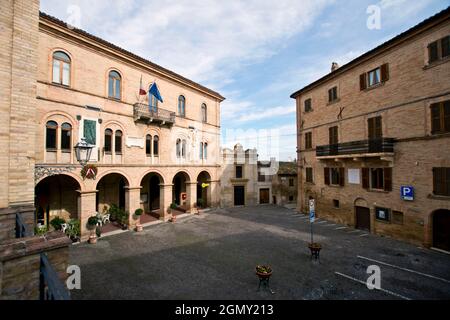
315, 250
173, 219
139, 228
264, 273
93, 239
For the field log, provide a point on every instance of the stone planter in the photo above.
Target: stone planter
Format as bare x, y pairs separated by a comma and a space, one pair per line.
139, 227
93, 239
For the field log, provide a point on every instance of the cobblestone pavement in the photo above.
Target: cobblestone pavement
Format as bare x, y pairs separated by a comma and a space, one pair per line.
213, 256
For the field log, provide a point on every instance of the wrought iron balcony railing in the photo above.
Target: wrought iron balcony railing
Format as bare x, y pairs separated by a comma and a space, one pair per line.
382, 145
22, 230
50, 286
148, 114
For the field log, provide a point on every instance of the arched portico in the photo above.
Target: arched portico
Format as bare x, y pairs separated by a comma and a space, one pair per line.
152, 197
204, 199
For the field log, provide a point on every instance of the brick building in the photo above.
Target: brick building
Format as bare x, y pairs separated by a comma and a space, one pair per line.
374, 138
285, 184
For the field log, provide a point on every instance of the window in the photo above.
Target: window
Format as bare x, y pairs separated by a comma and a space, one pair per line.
336, 204
333, 136
108, 141
439, 49
382, 214
440, 117
374, 77
397, 217
204, 113
118, 141
332, 94
183, 149
156, 146
375, 128
205, 152
66, 133
261, 177
182, 106
308, 105
50, 136
377, 178
178, 148
148, 145
308, 140
153, 102
201, 150
114, 85
291, 182
334, 176
239, 172
61, 68
291, 198
441, 181
309, 175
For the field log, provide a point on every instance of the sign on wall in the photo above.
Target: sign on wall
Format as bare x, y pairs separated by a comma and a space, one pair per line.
354, 176
407, 193
135, 142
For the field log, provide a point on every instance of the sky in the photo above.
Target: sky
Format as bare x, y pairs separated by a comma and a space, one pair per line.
256, 53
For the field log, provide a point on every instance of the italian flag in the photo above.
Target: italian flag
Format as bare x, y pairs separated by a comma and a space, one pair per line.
142, 91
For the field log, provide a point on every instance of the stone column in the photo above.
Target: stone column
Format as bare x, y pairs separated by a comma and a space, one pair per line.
191, 191
86, 209
214, 194
132, 203
166, 199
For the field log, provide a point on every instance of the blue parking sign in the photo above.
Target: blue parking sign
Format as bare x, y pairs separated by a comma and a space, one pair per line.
312, 210
407, 193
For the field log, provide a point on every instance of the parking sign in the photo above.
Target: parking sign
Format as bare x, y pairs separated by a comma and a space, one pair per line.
312, 210
407, 193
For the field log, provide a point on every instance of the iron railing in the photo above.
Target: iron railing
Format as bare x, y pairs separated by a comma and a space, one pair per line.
149, 114
382, 145
50, 286
22, 230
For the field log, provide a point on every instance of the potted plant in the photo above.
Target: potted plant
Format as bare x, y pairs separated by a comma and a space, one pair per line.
173, 206
315, 249
40, 230
91, 225
200, 203
263, 272
137, 216
74, 230
57, 223
124, 219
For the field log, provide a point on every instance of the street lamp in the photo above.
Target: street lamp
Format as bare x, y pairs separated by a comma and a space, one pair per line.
83, 151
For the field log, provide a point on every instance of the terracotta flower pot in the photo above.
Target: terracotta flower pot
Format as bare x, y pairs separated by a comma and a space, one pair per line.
139, 228
93, 239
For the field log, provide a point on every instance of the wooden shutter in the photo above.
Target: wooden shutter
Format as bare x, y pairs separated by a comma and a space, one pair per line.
330, 95
446, 115
378, 128
385, 72
435, 118
326, 174
342, 177
363, 81
387, 179
445, 44
437, 181
433, 52
365, 178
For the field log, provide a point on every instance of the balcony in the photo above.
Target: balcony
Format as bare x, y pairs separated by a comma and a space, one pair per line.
142, 112
383, 148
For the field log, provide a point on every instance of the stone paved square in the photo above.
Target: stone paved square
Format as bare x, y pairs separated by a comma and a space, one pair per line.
213, 256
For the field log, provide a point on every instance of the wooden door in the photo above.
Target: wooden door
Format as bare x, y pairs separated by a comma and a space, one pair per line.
264, 196
362, 218
239, 196
441, 230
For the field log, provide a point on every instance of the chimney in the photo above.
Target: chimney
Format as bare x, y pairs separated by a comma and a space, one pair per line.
334, 66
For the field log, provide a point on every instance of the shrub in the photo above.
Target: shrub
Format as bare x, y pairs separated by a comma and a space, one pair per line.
138, 212
57, 222
40, 231
173, 206
92, 221
74, 229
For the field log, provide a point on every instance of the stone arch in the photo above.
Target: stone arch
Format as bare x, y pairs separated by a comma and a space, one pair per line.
152, 195
180, 189
111, 190
57, 196
360, 202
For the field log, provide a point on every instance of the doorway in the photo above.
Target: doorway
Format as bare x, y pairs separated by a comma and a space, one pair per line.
239, 196
264, 196
441, 229
362, 218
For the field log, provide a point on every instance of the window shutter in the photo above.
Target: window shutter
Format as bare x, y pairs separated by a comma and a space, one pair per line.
330, 95
447, 116
363, 81
378, 127
342, 177
387, 179
438, 181
365, 178
435, 118
385, 72
326, 173
433, 54
445, 46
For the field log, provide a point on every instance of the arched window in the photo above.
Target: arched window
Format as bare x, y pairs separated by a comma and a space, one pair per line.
178, 148
201, 150
156, 146
66, 134
118, 141
205, 152
108, 141
50, 135
183, 149
204, 113
114, 85
148, 145
61, 68
182, 106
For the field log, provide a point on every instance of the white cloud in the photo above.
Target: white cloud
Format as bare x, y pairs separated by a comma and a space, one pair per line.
199, 39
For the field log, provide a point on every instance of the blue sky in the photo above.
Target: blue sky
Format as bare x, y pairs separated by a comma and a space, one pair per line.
256, 53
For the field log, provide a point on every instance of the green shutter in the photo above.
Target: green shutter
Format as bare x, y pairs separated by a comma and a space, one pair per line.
90, 131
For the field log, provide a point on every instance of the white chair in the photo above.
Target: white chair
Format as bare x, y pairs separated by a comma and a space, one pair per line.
64, 227
106, 218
